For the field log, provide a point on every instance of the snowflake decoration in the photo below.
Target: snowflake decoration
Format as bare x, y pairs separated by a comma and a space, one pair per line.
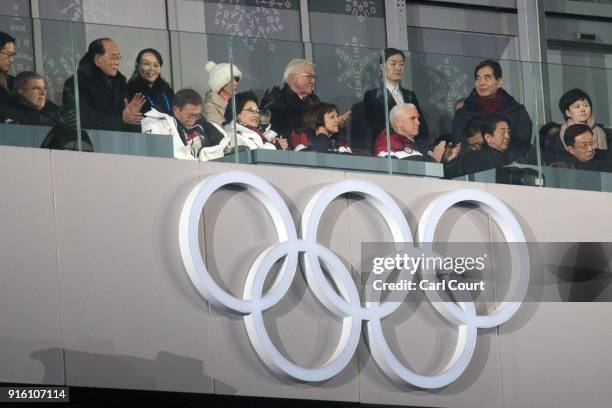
96, 10
356, 69
361, 9
447, 83
254, 24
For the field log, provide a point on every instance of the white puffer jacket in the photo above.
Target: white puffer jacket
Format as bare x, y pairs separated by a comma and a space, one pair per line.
159, 123
250, 138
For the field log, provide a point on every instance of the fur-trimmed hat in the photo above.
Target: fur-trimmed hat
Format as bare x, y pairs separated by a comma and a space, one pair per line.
219, 75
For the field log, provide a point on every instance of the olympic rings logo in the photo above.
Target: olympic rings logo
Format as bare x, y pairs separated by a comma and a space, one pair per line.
347, 303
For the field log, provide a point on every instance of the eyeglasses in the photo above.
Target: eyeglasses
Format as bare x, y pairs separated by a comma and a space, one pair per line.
194, 116
253, 111
309, 76
9, 55
38, 89
115, 57
584, 146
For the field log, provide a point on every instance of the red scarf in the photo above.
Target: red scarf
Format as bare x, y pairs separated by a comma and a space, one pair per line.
489, 105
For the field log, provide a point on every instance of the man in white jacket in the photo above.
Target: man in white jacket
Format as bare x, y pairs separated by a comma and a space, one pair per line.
192, 137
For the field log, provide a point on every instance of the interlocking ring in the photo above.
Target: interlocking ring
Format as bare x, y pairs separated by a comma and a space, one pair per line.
346, 304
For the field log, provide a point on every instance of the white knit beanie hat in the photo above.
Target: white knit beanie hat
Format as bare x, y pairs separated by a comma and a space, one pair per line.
219, 75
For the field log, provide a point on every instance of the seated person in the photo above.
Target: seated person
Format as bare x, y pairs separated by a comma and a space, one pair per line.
147, 80
322, 131
248, 132
7, 56
373, 99
404, 120
289, 104
489, 98
220, 82
550, 144
28, 104
577, 108
473, 134
192, 138
102, 91
581, 153
494, 153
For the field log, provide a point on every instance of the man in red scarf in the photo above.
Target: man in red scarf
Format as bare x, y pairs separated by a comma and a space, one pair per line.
488, 98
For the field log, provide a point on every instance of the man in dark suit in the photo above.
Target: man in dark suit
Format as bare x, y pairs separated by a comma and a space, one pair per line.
374, 102
488, 98
7, 56
102, 91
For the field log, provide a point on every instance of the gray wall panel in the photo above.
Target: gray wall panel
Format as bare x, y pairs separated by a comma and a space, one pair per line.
127, 279
30, 332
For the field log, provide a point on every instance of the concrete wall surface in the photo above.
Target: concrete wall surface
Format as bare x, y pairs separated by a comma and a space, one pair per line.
93, 291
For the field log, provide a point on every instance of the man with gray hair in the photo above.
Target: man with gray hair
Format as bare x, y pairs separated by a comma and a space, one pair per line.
404, 120
28, 103
290, 103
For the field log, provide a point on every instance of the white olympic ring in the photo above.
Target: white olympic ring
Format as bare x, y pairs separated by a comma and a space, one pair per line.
346, 303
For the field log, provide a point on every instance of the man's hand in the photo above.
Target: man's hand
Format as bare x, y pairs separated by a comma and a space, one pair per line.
452, 153
438, 151
131, 112
344, 119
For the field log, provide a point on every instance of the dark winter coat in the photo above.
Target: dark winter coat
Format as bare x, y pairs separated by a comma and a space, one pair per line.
22, 112
509, 109
101, 98
287, 111
5, 93
474, 161
159, 96
374, 105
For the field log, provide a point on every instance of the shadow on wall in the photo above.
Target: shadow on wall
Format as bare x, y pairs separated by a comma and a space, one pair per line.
168, 371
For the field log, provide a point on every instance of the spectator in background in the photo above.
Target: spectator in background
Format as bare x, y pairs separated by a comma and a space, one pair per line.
147, 80
192, 138
7, 56
488, 98
220, 82
550, 144
373, 99
28, 104
288, 105
321, 131
248, 132
405, 123
473, 134
102, 91
582, 152
577, 108
494, 153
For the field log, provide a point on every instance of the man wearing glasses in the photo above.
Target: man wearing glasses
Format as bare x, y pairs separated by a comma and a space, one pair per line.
192, 136
102, 91
28, 104
581, 150
7, 56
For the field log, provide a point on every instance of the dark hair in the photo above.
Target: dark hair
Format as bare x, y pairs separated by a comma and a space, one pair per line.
96, 47
571, 96
241, 99
315, 114
186, 96
5, 38
489, 124
389, 52
497, 71
150, 51
572, 132
22, 79
473, 126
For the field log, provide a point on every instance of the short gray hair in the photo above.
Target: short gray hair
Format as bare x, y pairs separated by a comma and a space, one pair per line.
397, 111
22, 79
294, 65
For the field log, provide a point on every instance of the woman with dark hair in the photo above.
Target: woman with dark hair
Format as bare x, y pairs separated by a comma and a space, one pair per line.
577, 109
322, 131
248, 131
147, 80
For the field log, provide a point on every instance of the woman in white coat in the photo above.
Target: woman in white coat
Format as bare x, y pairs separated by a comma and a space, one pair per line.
248, 132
